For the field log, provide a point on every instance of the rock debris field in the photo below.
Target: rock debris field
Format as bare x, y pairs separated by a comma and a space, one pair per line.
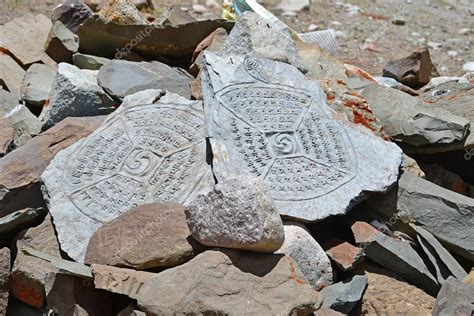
155, 163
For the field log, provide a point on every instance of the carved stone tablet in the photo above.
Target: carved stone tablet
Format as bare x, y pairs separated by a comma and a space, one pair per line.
142, 154
265, 119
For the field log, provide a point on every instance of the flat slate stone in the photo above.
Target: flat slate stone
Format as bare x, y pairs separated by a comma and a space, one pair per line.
445, 214
230, 282
121, 78
344, 296
62, 43
83, 61
455, 298
237, 214
37, 84
308, 254
149, 236
265, 119
11, 74
21, 219
143, 153
344, 255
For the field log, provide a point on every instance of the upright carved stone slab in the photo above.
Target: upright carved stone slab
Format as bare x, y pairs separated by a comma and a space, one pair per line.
143, 153
265, 119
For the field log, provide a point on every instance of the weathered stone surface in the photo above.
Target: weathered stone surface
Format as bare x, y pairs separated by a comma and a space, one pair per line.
83, 61
454, 298
21, 219
122, 12
469, 279
344, 255
389, 294
118, 280
11, 74
29, 273
308, 254
445, 257
265, 119
320, 63
409, 120
232, 283
395, 255
121, 78
69, 295
25, 37
72, 13
411, 165
294, 5
325, 311
155, 41
238, 214
343, 296
149, 236
24, 123
20, 170
253, 34
6, 136
456, 98
445, 214
75, 93
62, 43
142, 153
5, 267
413, 70
37, 84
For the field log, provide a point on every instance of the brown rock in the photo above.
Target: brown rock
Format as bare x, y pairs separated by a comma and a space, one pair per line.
122, 12
364, 233
25, 37
470, 278
118, 280
413, 70
345, 255
11, 74
69, 295
6, 136
149, 236
21, 169
4, 279
230, 283
29, 273
389, 294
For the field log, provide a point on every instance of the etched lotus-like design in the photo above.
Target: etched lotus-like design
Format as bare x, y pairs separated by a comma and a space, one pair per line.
279, 134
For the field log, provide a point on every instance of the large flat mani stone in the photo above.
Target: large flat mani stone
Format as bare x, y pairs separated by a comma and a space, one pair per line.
265, 119
143, 153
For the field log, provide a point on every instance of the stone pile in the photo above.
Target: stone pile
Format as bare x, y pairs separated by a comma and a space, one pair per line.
159, 165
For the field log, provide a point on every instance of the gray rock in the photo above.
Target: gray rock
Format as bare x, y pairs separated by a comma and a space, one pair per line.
445, 257
265, 119
84, 61
25, 124
37, 84
254, 35
21, 219
238, 214
121, 78
395, 255
62, 43
11, 74
5, 267
407, 119
345, 295
293, 5
445, 214
455, 298
230, 283
72, 13
75, 93
6, 136
142, 153
308, 254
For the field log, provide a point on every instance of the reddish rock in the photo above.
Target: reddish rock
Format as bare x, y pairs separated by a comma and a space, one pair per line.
345, 255
21, 169
4, 279
149, 236
364, 233
29, 273
6, 136
413, 70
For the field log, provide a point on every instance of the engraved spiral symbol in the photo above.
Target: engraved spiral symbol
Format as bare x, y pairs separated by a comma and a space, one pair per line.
284, 144
140, 162
255, 69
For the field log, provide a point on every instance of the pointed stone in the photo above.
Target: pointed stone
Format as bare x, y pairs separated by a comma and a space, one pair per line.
265, 119
143, 153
